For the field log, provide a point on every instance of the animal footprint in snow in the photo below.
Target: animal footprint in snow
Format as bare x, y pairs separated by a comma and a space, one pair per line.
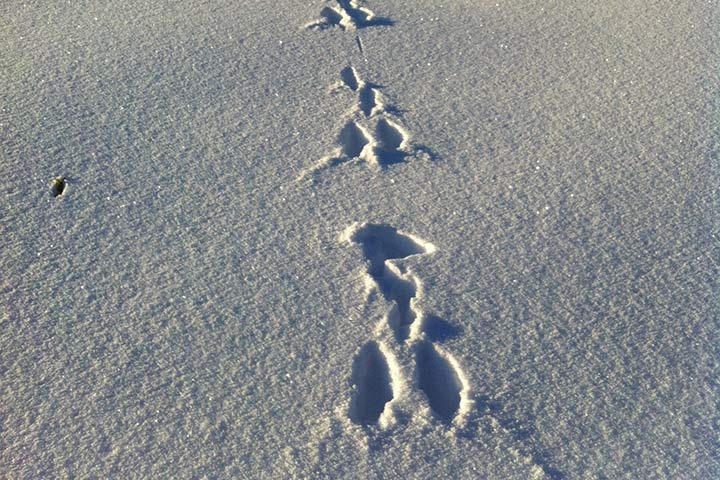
438, 375
350, 79
392, 144
347, 15
372, 384
370, 100
389, 143
381, 244
353, 141
441, 380
389, 146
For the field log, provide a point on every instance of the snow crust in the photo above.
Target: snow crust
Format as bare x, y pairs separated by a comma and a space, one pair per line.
349, 239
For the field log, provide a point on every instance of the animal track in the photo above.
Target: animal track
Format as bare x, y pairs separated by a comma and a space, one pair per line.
439, 380
372, 382
391, 142
350, 78
348, 15
381, 243
368, 100
390, 136
369, 97
353, 140
376, 379
401, 290
438, 375
354, 144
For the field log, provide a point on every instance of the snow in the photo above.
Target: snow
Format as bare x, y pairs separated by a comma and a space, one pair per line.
347, 239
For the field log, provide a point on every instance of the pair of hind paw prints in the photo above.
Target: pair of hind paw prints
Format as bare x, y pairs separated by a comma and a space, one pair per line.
370, 134
347, 15
376, 377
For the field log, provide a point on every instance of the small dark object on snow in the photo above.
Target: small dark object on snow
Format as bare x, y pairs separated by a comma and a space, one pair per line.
58, 186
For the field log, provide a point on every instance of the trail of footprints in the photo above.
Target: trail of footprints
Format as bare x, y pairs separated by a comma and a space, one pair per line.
373, 134
375, 374
370, 134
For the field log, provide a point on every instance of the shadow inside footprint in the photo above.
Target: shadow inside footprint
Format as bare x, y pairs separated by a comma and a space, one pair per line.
401, 291
383, 242
367, 96
350, 78
390, 137
352, 139
371, 378
439, 381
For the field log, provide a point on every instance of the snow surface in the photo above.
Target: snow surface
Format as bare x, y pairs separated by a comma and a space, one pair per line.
382, 239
